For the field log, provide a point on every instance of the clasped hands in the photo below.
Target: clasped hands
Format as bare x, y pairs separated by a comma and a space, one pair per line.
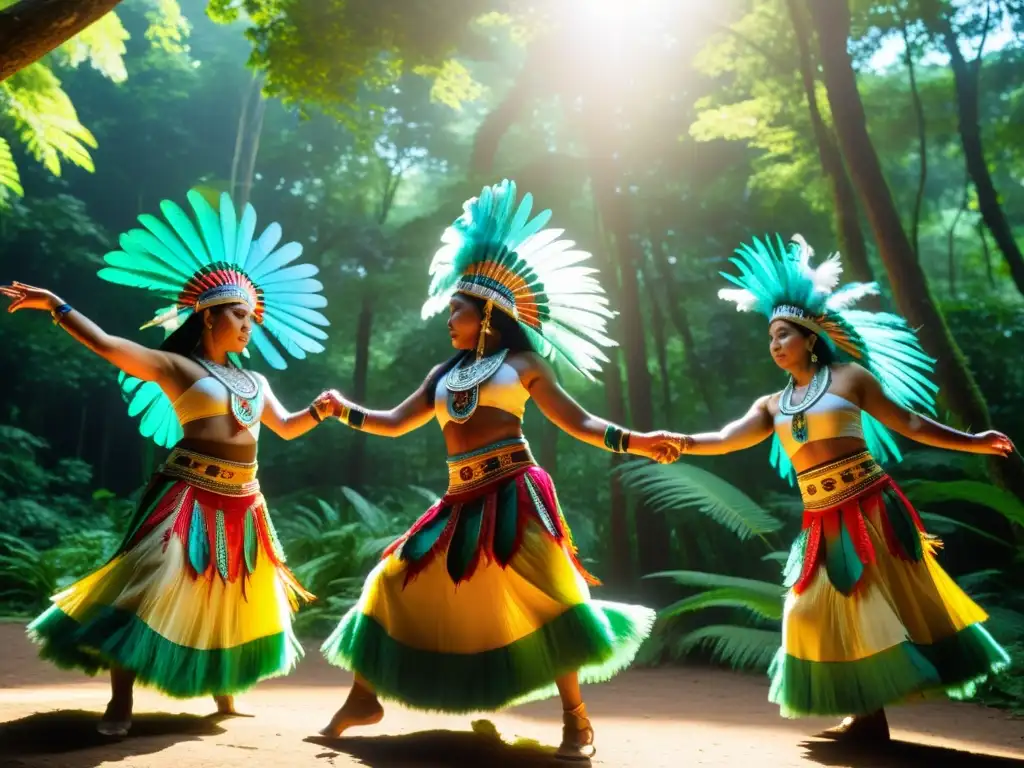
661, 446
329, 403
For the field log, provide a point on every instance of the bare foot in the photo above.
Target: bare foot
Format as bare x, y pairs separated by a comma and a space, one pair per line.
117, 718
577, 736
861, 728
359, 709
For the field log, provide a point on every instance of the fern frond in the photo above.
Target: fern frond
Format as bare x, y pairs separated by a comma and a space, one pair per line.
924, 492
10, 179
671, 488
740, 647
765, 606
46, 119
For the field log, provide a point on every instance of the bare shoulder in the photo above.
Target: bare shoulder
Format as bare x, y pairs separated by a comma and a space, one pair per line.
768, 403
530, 366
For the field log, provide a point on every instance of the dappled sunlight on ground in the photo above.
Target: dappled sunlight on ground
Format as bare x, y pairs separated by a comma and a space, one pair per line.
643, 719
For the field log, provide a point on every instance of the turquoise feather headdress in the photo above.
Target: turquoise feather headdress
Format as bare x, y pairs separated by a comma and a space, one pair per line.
220, 262
780, 283
496, 252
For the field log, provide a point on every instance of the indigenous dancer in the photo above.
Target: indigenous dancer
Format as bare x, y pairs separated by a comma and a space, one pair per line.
483, 603
197, 599
870, 618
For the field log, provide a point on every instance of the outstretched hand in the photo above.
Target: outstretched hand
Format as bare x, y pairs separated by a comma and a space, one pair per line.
662, 447
25, 296
995, 443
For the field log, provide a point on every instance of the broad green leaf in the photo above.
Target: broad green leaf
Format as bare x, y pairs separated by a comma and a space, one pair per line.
767, 606
670, 489
925, 492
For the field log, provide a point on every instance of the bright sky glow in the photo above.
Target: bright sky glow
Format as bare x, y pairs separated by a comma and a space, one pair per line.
891, 52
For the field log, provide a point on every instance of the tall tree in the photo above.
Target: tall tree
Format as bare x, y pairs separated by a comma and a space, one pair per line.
847, 218
909, 285
967, 76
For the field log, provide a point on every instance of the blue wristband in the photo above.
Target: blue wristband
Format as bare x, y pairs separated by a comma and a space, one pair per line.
60, 312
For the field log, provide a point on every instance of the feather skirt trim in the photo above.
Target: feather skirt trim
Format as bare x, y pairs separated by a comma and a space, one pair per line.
486, 526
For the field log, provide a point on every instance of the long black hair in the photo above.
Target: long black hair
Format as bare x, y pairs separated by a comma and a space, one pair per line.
821, 348
510, 335
185, 340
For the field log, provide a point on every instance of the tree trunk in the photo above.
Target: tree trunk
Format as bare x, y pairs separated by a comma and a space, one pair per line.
253, 151
658, 327
910, 288
241, 132
922, 136
986, 255
497, 122
620, 549
964, 202
847, 219
676, 307
360, 381
30, 29
966, 77
653, 541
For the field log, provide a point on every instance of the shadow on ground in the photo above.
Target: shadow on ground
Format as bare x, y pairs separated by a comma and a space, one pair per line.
901, 754
482, 746
72, 734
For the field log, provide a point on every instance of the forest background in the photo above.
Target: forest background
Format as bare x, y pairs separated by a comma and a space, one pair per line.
662, 135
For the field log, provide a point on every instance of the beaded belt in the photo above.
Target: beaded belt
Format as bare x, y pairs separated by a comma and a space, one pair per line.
227, 478
831, 484
468, 471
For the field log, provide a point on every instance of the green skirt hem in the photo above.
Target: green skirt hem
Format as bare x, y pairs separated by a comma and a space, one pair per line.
953, 666
598, 639
115, 637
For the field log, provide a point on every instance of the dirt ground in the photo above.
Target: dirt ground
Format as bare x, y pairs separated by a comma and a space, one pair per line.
643, 719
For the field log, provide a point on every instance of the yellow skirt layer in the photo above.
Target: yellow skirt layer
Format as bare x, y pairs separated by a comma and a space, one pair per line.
871, 618
484, 605
197, 601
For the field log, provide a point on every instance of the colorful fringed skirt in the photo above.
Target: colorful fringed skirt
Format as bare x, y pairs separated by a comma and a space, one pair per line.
483, 604
871, 619
197, 600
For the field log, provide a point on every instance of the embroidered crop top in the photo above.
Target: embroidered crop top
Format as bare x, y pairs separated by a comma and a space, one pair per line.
503, 391
832, 416
207, 398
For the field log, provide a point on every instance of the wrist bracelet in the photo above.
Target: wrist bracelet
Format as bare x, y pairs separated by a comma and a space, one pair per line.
352, 417
616, 439
60, 313
315, 413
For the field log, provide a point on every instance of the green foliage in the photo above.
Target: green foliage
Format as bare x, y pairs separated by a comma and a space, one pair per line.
334, 546
761, 598
668, 489
44, 118
102, 44
739, 647
10, 180
324, 53
923, 493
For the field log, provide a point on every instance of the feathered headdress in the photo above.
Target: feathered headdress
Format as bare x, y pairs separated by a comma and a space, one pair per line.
780, 283
218, 263
496, 252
